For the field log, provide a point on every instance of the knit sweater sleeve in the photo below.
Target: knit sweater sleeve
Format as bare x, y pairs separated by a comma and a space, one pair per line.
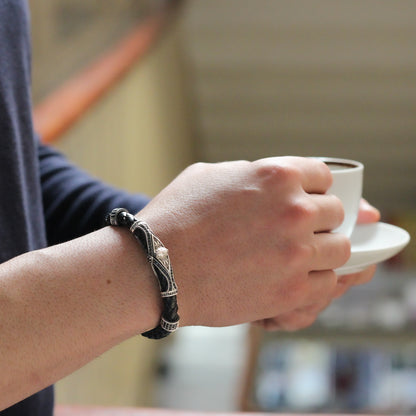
74, 202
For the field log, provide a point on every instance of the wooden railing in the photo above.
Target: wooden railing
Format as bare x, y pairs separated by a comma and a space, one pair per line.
55, 114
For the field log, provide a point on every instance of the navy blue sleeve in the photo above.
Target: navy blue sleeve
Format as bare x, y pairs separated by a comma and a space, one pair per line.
74, 202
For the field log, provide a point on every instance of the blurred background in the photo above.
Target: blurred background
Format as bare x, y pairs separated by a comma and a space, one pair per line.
243, 79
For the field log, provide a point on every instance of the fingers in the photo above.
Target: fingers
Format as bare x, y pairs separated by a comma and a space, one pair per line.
316, 289
304, 316
300, 184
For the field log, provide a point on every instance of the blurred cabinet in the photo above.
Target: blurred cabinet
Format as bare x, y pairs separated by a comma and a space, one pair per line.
360, 356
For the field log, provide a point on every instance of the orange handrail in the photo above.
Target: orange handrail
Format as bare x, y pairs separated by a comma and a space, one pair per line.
63, 107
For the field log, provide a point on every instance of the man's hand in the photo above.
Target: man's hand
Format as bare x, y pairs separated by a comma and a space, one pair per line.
250, 240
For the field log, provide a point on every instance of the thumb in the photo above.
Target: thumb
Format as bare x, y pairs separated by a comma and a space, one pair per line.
367, 213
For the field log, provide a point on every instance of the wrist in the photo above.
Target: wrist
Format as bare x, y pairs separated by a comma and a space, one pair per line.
139, 290
158, 257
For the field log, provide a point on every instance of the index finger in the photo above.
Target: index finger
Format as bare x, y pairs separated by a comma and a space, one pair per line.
316, 177
313, 174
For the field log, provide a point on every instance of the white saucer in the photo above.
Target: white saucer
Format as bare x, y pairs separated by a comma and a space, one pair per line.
373, 243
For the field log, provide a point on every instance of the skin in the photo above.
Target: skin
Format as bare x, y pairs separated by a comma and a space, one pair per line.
248, 241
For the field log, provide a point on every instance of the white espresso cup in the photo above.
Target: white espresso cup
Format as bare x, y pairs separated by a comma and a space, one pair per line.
347, 186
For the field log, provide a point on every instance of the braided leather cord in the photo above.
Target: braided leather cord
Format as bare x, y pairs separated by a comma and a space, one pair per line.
158, 257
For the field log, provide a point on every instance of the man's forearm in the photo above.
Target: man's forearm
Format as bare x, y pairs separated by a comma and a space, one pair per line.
63, 306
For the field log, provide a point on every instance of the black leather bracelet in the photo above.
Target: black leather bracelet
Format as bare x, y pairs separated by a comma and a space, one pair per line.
158, 257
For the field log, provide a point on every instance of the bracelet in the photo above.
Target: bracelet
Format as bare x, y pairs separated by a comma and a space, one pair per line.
158, 257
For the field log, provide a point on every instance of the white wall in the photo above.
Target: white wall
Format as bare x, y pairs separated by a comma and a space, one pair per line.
310, 77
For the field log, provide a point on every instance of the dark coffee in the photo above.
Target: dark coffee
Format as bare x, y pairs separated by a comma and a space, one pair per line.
339, 165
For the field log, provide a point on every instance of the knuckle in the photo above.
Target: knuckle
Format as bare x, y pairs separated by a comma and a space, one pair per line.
196, 167
297, 257
307, 252
277, 174
300, 212
310, 252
